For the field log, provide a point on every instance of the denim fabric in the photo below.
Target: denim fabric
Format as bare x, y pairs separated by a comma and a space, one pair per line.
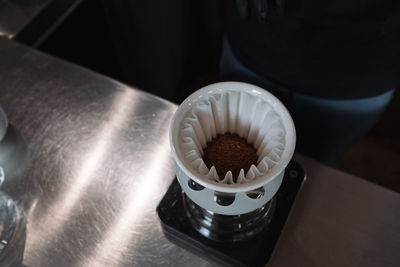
325, 128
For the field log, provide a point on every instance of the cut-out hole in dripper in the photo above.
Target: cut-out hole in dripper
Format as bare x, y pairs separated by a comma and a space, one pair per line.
224, 199
256, 193
195, 186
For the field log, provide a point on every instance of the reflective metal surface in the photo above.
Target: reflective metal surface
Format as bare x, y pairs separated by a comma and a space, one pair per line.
31, 21
340, 220
15, 15
98, 163
228, 228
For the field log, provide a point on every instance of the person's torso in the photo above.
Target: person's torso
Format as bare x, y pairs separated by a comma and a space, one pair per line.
335, 49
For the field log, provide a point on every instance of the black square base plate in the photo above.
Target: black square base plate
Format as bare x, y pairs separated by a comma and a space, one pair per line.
255, 252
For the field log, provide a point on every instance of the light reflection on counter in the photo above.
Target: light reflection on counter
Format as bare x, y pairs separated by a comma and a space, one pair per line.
47, 227
121, 232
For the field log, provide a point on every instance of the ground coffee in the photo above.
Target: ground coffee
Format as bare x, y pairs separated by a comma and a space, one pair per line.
229, 152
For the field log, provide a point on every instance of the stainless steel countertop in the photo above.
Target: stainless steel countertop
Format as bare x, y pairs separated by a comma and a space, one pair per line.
15, 15
30, 21
340, 220
98, 163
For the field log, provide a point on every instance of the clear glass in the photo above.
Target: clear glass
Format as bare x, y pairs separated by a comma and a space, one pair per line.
3, 123
12, 232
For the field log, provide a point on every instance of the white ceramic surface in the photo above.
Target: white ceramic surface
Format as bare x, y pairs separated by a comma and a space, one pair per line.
269, 180
233, 111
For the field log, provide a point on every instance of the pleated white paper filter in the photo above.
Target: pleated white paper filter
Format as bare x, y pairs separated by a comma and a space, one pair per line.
236, 112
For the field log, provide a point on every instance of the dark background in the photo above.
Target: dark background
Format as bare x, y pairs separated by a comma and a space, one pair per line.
172, 48
168, 48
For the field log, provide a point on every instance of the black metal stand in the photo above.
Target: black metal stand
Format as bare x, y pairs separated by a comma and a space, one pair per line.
254, 252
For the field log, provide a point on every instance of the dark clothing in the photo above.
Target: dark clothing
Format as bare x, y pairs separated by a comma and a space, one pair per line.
166, 48
331, 49
325, 128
